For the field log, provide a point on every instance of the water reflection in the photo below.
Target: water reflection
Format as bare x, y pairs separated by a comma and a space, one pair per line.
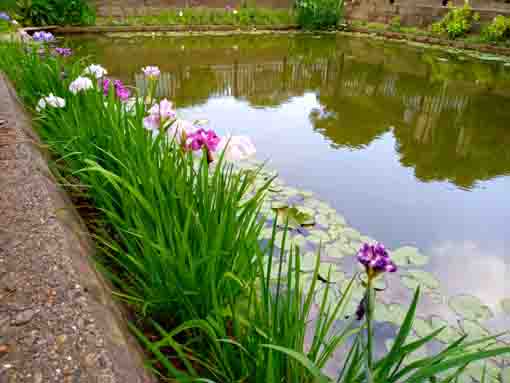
384, 132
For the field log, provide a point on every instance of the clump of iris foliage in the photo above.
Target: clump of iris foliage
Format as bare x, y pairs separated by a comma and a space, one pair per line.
243, 16
179, 238
53, 12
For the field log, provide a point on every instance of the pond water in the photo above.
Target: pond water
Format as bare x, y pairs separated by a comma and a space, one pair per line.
411, 145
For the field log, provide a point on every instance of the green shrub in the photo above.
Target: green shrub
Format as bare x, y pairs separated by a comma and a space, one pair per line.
55, 12
497, 30
319, 14
457, 22
395, 23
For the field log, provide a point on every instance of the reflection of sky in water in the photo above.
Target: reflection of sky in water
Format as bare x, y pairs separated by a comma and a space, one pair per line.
412, 150
462, 230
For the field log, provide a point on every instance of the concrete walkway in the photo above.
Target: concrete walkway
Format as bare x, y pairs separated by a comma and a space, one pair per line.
57, 320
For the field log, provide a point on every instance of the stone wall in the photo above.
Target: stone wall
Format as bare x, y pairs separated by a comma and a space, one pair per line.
418, 12
118, 8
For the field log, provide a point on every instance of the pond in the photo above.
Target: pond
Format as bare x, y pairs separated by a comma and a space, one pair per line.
411, 145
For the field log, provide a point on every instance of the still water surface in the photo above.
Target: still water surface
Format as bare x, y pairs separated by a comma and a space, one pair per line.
411, 145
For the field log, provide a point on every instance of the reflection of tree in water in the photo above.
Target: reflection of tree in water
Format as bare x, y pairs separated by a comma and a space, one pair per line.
444, 114
460, 148
441, 133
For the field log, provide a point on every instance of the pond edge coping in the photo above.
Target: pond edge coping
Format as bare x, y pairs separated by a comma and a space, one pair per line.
21, 146
348, 30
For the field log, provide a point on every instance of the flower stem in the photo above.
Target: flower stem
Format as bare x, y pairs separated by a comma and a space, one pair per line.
369, 316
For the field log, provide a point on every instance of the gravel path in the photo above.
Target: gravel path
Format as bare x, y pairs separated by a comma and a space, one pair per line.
57, 320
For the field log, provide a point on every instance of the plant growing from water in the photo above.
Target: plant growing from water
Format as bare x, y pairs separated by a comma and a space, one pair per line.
180, 239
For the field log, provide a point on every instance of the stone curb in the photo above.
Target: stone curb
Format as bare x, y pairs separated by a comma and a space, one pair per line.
173, 28
486, 48
58, 321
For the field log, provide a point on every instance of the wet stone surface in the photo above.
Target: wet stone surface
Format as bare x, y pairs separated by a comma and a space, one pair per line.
54, 324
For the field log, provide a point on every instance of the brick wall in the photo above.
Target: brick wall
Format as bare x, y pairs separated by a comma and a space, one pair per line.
411, 12
418, 12
148, 7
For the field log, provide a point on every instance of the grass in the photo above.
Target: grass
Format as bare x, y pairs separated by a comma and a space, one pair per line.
208, 16
179, 239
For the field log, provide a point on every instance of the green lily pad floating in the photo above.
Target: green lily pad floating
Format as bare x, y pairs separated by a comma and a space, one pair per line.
470, 307
505, 305
473, 329
449, 333
337, 250
322, 220
505, 374
421, 327
307, 261
335, 276
382, 313
296, 216
318, 236
320, 295
357, 291
379, 283
476, 370
414, 278
394, 314
279, 205
352, 234
408, 255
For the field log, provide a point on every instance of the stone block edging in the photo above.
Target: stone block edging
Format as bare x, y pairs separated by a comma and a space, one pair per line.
58, 321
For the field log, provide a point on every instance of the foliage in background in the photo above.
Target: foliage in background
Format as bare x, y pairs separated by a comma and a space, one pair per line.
55, 12
395, 24
179, 240
209, 16
319, 14
457, 22
497, 30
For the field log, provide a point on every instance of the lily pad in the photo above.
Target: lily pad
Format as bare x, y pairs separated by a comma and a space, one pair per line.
505, 305
279, 205
296, 217
476, 370
505, 374
421, 327
396, 314
379, 283
449, 333
336, 276
318, 236
337, 250
307, 261
473, 329
408, 255
414, 278
352, 234
470, 307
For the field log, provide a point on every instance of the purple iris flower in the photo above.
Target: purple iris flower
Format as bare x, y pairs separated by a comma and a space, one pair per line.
43, 36
120, 90
64, 52
202, 138
4, 16
376, 260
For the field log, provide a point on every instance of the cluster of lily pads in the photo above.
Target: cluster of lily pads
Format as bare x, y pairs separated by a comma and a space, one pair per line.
313, 223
